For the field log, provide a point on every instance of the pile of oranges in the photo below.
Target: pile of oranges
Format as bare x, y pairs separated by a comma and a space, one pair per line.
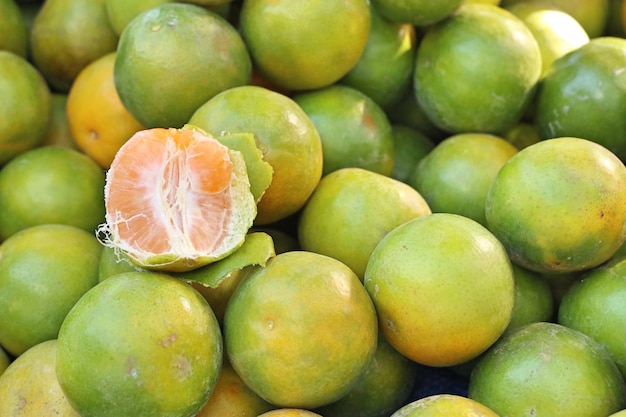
304, 208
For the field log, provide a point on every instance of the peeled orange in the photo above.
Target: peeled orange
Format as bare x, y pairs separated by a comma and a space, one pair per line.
176, 199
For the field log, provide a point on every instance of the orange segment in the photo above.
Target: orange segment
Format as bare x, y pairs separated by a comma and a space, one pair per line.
177, 199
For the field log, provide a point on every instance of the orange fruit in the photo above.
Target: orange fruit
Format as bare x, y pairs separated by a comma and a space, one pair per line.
190, 53
66, 35
384, 386
384, 70
289, 412
4, 361
410, 113
456, 175
25, 107
594, 305
232, 398
443, 289
176, 199
521, 135
58, 131
440, 405
51, 184
557, 205
534, 301
556, 32
281, 326
283, 132
550, 369
409, 147
29, 387
477, 70
121, 12
351, 210
575, 94
620, 413
591, 14
305, 45
44, 271
354, 130
99, 122
418, 13
15, 32
139, 344
615, 23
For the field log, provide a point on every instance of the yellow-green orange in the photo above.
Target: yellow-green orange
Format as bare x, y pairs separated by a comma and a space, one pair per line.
305, 45
285, 135
551, 369
383, 72
4, 361
534, 301
351, 210
15, 35
51, 184
25, 106
477, 70
418, 13
456, 175
44, 271
595, 306
443, 288
354, 130
575, 95
66, 35
557, 205
281, 328
121, 12
444, 405
409, 147
289, 412
190, 53
139, 344
29, 387
58, 131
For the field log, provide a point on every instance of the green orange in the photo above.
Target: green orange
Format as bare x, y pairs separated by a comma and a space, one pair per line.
409, 147
174, 57
286, 136
440, 405
577, 91
477, 70
15, 32
139, 344
44, 271
354, 130
282, 324
25, 107
557, 205
550, 369
418, 13
305, 45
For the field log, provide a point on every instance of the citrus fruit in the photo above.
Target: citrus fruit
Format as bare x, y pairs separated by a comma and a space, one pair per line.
281, 330
418, 13
25, 107
289, 412
577, 91
354, 130
114, 262
139, 344
556, 32
440, 405
522, 134
384, 386
66, 35
4, 361
456, 175
557, 205
283, 132
351, 210
15, 33
176, 199
384, 70
591, 14
29, 387
477, 70
121, 12
45, 269
51, 184
546, 369
232, 398
305, 45
410, 113
98, 121
615, 23
534, 301
190, 53
594, 305
443, 288
219, 296
409, 147
58, 131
